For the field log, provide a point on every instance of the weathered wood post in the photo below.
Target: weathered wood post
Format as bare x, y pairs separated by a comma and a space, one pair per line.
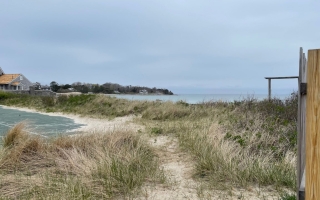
301, 126
269, 83
312, 189
269, 89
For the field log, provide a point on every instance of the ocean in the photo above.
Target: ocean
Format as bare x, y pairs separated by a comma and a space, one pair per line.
197, 98
37, 123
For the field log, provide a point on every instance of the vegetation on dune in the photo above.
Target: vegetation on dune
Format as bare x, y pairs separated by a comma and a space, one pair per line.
95, 166
89, 105
235, 144
5, 95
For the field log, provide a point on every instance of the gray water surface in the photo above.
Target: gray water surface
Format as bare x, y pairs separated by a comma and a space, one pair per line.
197, 98
37, 123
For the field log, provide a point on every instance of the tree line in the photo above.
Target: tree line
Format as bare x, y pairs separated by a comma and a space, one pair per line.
106, 88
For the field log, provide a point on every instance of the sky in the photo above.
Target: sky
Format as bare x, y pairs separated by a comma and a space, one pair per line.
188, 47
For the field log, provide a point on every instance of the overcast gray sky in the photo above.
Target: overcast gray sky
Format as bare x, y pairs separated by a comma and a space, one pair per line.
199, 46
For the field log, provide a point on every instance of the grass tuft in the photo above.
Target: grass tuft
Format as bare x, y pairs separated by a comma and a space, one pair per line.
14, 135
93, 166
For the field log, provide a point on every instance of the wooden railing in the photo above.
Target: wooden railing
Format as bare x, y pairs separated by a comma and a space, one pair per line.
269, 82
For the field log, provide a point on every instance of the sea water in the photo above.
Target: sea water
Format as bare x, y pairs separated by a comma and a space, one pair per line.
197, 98
36, 123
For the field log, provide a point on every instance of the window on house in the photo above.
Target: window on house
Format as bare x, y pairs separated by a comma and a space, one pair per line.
21, 78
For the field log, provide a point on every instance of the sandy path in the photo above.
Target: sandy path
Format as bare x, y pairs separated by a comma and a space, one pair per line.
178, 167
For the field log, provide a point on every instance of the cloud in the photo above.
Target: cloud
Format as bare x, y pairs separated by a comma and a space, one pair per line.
87, 56
185, 45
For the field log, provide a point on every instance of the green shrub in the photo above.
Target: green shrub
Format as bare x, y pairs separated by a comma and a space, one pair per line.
48, 101
288, 197
79, 100
156, 131
5, 95
62, 99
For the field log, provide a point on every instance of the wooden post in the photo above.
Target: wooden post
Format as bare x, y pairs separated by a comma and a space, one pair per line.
301, 127
269, 89
312, 190
269, 82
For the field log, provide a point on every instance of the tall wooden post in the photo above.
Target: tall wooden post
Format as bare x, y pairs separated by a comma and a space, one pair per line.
269, 82
269, 88
301, 126
312, 190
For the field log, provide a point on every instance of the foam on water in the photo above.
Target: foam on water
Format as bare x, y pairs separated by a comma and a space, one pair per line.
37, 123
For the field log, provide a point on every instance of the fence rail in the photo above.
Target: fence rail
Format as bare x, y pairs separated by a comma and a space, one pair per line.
301, 126
269, 82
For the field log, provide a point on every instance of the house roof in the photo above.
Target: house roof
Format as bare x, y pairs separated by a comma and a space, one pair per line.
15, 83
7, 78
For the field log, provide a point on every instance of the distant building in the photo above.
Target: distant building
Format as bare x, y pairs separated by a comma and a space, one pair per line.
143, 92
45, 87
159, 93
37, 86
13, 81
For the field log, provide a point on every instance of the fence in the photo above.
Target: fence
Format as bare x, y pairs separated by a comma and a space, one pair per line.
308, 125
301, 126
271, 78
308, 164
34, 92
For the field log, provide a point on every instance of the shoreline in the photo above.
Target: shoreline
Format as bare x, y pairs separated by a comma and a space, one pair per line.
136, 94
88, 124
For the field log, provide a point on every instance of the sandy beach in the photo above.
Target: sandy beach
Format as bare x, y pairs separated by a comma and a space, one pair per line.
90, 125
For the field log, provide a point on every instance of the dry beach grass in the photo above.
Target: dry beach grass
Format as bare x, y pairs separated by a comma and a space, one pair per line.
92, 166
213, 150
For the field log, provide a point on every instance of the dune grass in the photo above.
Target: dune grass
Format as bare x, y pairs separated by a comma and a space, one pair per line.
235, 144
100, 106
99, 166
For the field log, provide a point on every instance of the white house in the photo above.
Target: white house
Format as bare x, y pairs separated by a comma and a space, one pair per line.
143, 91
